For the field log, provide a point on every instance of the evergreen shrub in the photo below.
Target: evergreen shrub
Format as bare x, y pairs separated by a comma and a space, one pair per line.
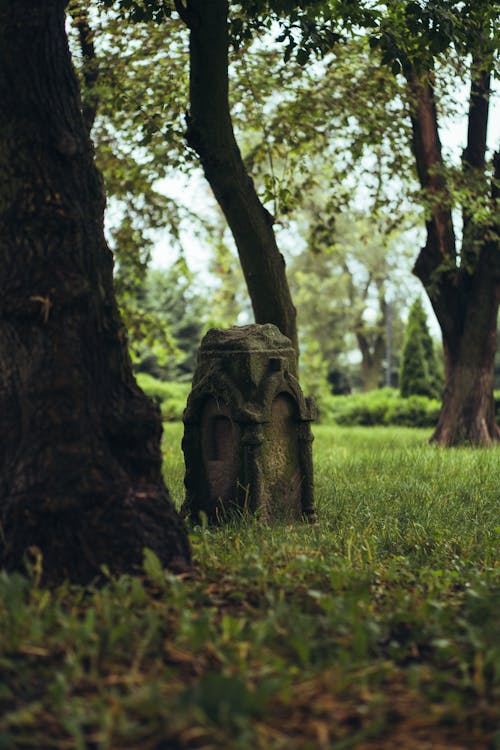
420, 373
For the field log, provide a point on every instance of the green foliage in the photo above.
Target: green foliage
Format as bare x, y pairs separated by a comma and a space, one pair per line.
308, 29
420, 374
342, 283
142, 10
228, 296
381, 407
170, 397
380, 619
314, 373
413, 33
174, 303
140, 95
414, 411
287, 141
359, 408
443, 44
414, 374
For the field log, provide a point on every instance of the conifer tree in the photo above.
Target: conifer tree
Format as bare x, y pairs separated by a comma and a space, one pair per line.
419, 374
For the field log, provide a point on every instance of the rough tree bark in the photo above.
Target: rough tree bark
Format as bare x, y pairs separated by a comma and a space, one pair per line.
464, 288
80, 463
210, 133
90, 64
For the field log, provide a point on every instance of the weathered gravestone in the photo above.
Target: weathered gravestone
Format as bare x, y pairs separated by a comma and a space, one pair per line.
247, 428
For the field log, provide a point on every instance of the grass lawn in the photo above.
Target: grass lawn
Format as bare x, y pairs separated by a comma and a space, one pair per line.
377, 628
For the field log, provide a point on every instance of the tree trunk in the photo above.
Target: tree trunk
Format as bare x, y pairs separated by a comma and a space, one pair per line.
372, 353
371, 361
210, 133
464, 292
80, 462
90, 66
468, 412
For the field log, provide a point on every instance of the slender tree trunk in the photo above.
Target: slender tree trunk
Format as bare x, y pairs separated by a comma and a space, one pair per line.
372, 355
210, 133
371, 361
388, 346
80, 462
465, 291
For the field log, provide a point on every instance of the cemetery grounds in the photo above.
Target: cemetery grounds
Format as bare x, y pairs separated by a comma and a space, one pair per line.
377, 628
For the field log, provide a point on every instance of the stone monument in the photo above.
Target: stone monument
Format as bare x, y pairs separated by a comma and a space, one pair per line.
247, 429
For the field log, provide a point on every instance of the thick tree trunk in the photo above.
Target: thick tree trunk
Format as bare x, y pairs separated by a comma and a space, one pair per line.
464, 292
80, 463
468, 412
210, 133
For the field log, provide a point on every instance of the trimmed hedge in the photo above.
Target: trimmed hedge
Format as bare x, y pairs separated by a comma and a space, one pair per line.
381, 407
171, 397
385, 407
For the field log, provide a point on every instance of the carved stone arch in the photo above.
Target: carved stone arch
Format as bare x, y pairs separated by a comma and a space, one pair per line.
220, 438
278, 385
211, 386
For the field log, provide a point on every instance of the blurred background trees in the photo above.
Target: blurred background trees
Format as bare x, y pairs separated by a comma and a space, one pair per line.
323, 110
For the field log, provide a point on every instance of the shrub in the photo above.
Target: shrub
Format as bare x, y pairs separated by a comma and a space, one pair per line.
381, 407
415, 411
419, 375
171, 397
363, 409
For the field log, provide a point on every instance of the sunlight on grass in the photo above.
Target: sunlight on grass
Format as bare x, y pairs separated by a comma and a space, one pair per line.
377, 627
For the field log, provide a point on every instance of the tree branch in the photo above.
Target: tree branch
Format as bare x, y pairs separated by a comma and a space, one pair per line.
351, 286
184, 14
474, 155
440, 245
436, 265
210, 133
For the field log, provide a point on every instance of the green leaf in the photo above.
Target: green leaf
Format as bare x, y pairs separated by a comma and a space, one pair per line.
153, 568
